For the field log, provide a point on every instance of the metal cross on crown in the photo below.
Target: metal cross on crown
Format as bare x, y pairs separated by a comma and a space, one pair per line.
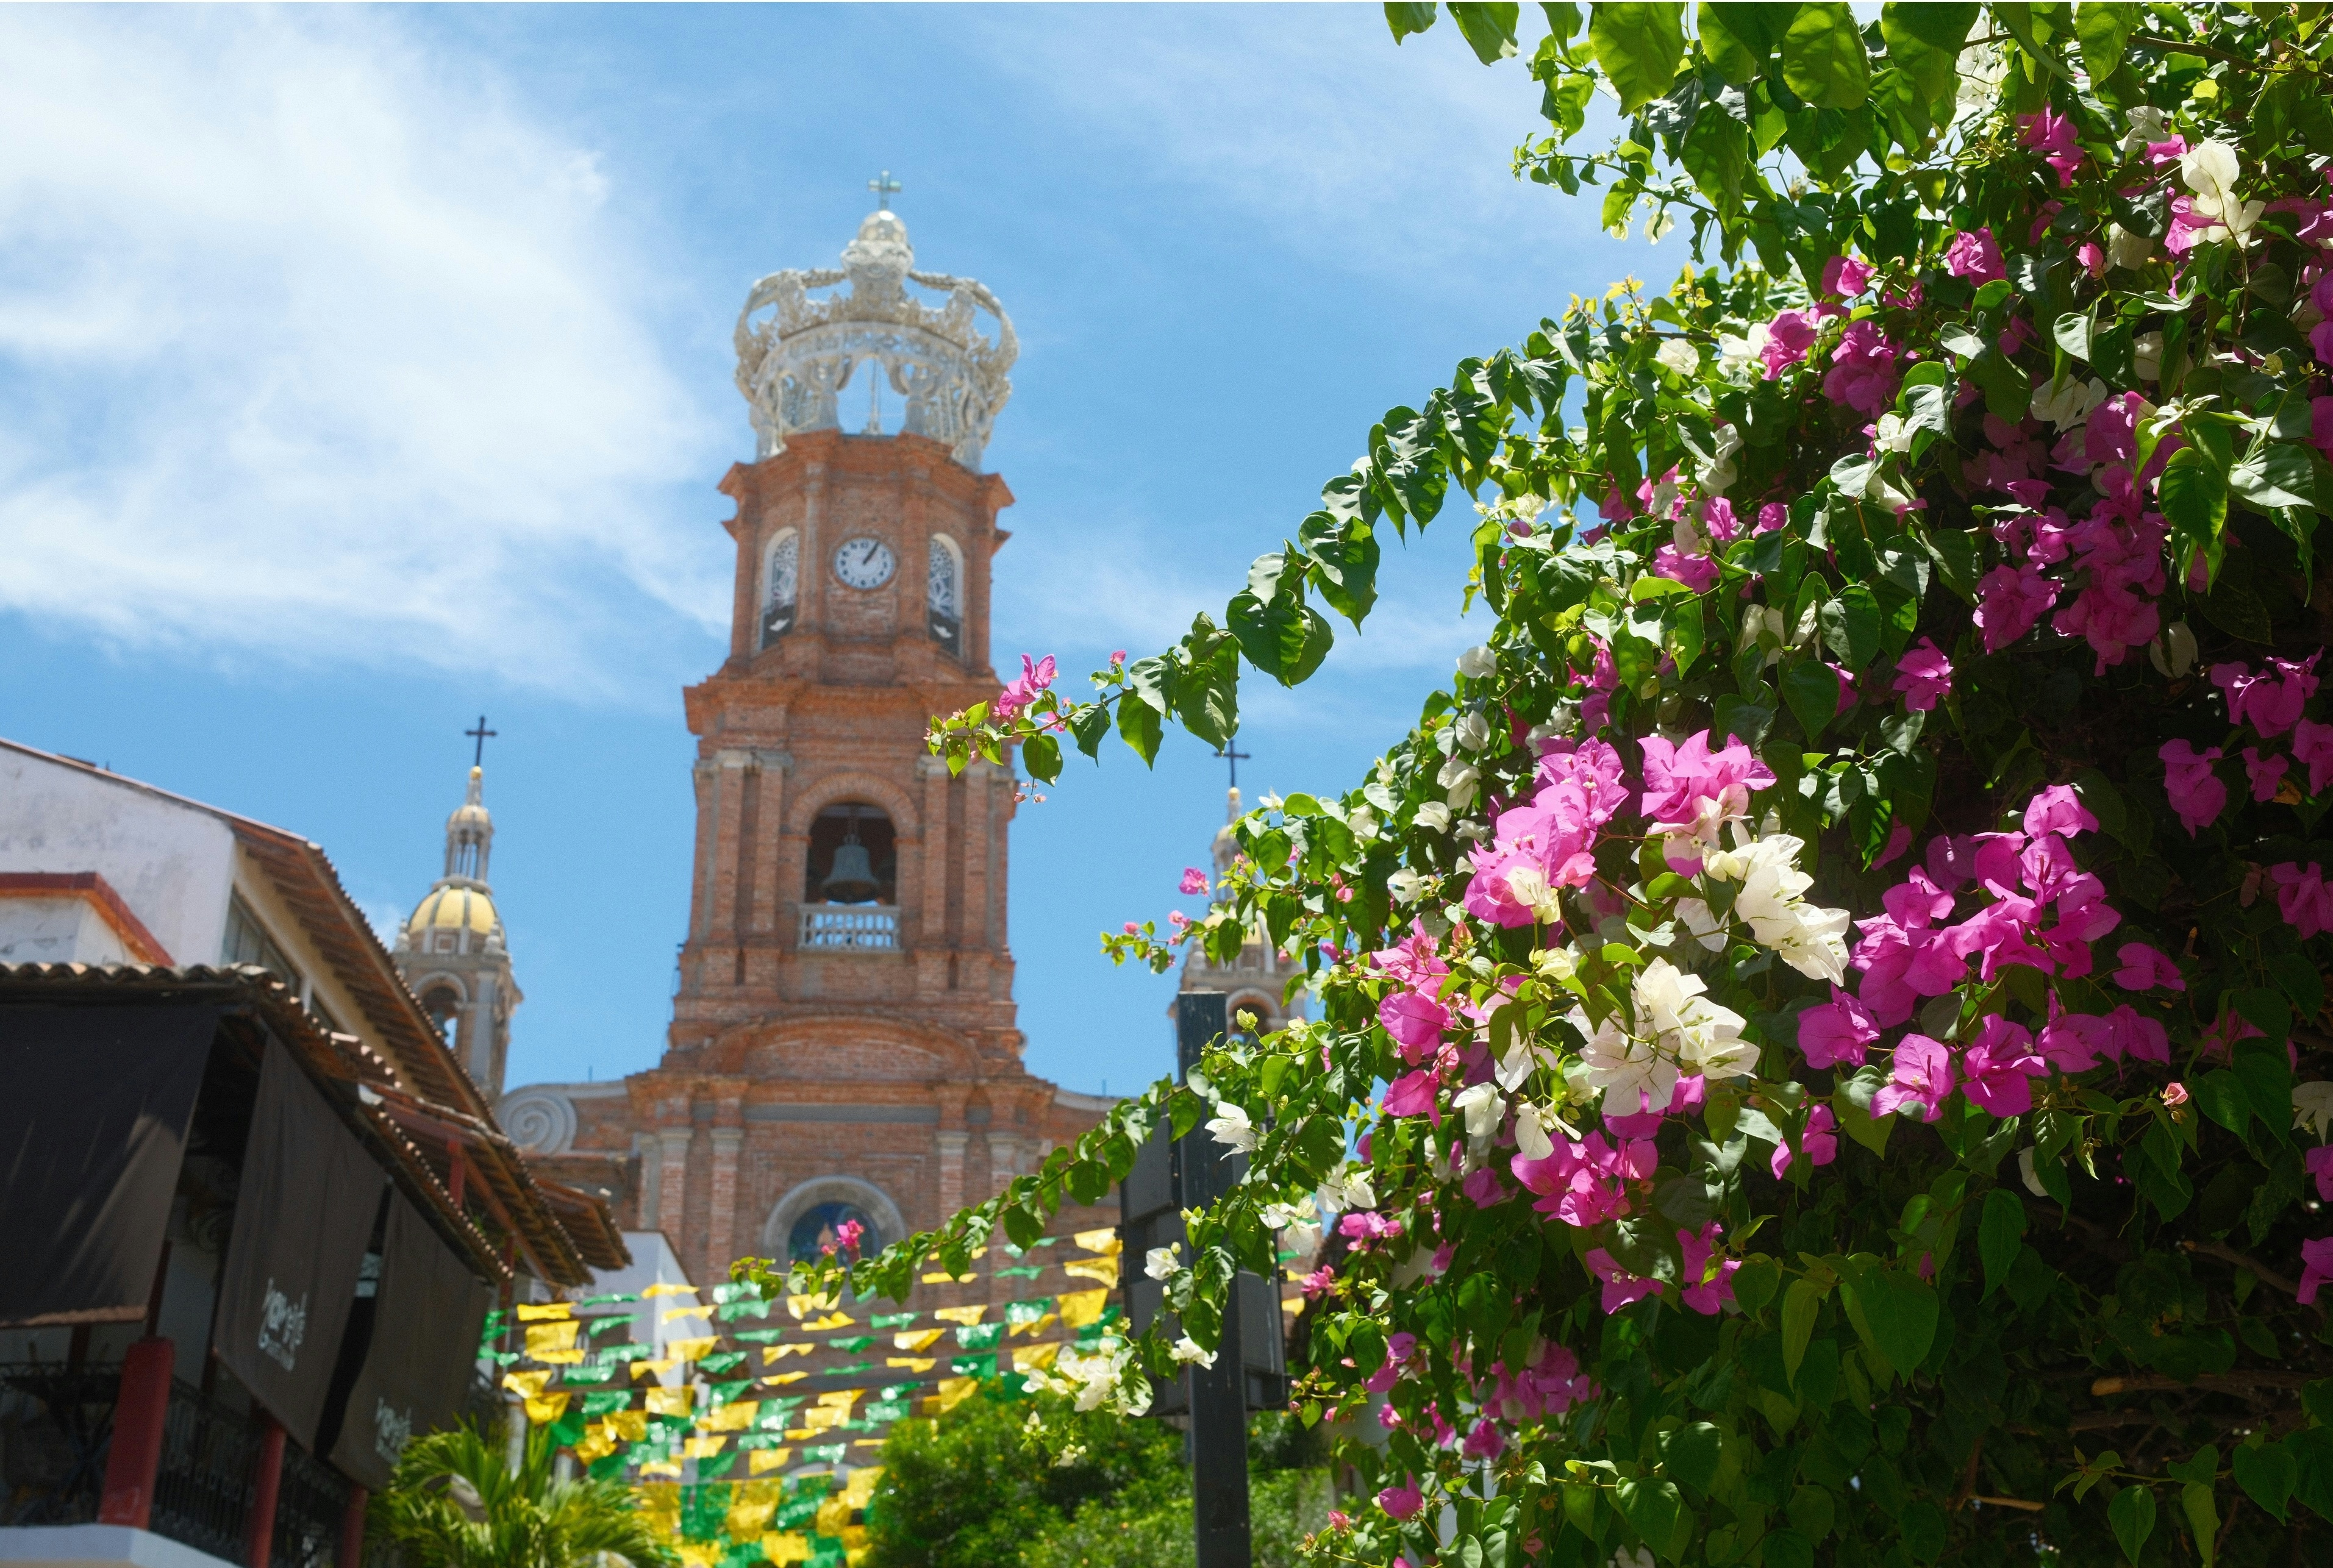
884, 187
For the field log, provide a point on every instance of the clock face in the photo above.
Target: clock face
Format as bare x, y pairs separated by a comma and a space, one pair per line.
863, 562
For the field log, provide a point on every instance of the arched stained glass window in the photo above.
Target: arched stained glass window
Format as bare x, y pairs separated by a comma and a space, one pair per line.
782, 586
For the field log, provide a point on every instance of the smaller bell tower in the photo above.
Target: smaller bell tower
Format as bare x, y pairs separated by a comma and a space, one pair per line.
453, 952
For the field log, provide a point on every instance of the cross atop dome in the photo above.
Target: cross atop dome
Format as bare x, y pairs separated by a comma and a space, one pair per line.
797, 350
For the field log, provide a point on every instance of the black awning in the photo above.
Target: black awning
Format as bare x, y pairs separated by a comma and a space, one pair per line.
424, 1342
303, 1217
94, 1104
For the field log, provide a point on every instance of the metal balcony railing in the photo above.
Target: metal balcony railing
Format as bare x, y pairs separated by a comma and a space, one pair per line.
202, 1488
851, 927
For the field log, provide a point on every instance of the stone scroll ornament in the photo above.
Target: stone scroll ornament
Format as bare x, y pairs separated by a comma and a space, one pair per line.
796, 352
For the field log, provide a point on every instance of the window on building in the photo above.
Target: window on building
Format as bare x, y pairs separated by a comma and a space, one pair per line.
247, 942
943, 594
443, 1006
852, 857
781, 587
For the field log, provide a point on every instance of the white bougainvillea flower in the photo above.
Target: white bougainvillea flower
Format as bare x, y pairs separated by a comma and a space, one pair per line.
1158, 1263
2068, 403
2313, 1106
1742, 358
1482, 1106
1809, 938
1477, 661
1187, 1352
1678, 357
1350, 1189
1232, 1127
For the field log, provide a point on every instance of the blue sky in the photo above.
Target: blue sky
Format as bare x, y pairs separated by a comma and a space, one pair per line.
364, 370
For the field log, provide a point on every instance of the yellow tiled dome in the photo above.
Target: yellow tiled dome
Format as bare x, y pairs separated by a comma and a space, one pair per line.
452, 909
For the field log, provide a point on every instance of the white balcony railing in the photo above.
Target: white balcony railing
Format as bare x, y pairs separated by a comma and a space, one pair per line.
851, 927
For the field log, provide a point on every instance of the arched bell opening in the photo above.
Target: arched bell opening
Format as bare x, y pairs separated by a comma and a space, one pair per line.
853, 857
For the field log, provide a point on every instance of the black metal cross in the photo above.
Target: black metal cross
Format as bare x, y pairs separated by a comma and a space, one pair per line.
884, 187
480, 734
1230, 753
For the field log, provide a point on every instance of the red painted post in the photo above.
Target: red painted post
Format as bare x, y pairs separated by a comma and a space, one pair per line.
138, 1415
259, 1539
352, 1524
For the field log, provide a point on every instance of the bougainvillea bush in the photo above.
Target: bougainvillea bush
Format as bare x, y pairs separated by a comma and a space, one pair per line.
1821, 1051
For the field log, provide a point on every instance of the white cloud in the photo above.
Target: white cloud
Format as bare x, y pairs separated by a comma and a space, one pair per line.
312, 347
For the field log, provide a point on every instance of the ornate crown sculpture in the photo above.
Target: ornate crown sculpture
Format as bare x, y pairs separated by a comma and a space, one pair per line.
793, 362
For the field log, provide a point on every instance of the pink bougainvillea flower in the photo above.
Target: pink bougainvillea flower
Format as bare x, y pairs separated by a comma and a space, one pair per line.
1402, 1502
1194, 881
1552, 840
2144, 968
1690, 791
2270, 702
1415, 1093
1924, 675
2197, 793
1922, 1076
1974, 255
2052, 134
1845, 277
2316, 1268
2320, 425
2302, 897
1708, 1279
2093, 260
1620, 1286
2058, 810
2266, 772
1698, 572
1999, 1068
2312, 748
1789, 335
1035, 676
1820, 1142
2010, 600
2318, 1163
1863, 369
1839, 1030
1313, 1284
1415, 1022
1485, 1441
1771, 517
2138, 1037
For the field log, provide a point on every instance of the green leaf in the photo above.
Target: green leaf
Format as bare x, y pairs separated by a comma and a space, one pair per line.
1823, 58
1090, 724
1925, 42
1284, 637
2297, 979
1902, 1313
2267, 1474
1042, 755
1639, 47
2001, 1233
1489, 29
1755, 1282
1801, 1304
2275, 474
1139, 726
2267, 1081
1407, 18
1651, 1506
2194, 496
1717, 154
2132, 1517
2203, 1519
1811, 689
2072, 333
1851, 626
1741, 39
2104, 29
1957, 558
1690, 1454
1786, 1549
2220, 1093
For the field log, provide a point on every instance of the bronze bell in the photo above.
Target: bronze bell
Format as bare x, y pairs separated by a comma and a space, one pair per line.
851, 878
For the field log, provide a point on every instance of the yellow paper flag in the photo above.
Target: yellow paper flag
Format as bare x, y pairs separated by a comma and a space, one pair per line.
544, 1311
786, 1548
966, 1315
762, 1461
1035, 1326
945, 1278
798, 1304
642, 1369
678, 1401
668, 1287
598, 1446
1291, 1304
1080, 1307
737, 1416
953, 1392
692, 1349
922, 1364
832, 1320
862, 1485
751, 1504
1105, 1241
703, 1447
659, 1505
834, 1516
661, 1467
1104, 1269
526, 1384
783, 1379
632, 1426
672, 1311
699, 1553
550, 1338
773, 1353
917, 1338
841, 1398
1035, 1357
544, 1408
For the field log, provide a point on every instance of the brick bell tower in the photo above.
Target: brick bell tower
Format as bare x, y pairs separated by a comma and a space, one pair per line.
844, 1043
